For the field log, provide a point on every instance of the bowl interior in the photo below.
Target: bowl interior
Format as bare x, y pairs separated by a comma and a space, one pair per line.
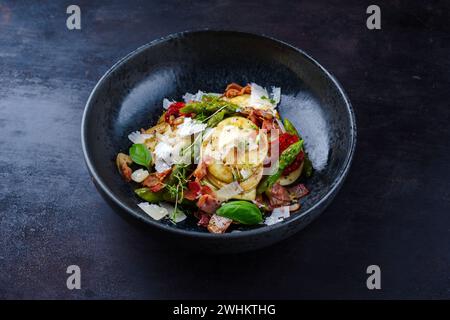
129, 97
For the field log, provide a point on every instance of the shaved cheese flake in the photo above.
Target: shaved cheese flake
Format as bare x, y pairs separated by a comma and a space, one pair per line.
170, 146
139, 175
245, 173
276, 94
228, 191
188, 97
161, 165
153, 210
163, 150
162, 156
193, 97
167, 103
208, 132
137, 137
259, 97
281, 125
278, 215
177, 216
190, 126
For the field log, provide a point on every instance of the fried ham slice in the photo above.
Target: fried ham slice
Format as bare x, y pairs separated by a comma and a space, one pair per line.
155, 180
218, 224
278, 196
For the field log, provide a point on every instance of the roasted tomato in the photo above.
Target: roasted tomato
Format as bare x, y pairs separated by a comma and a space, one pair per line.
174, 110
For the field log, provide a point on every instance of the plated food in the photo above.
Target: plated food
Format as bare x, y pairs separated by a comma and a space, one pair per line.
226, 158
128, 97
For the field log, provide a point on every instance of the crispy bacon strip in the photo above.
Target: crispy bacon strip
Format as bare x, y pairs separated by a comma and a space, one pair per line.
233, 90
218, 224
208, 203
258, 116
207, 190
203, 219
201, 170
269, 124
155, 180
298, 191
164, 174
253, 118
193, 190
153, 183
278, 196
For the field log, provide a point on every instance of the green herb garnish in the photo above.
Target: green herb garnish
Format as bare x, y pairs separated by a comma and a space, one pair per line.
266, 98
176, 184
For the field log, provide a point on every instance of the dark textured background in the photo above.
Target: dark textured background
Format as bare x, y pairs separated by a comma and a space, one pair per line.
392, 211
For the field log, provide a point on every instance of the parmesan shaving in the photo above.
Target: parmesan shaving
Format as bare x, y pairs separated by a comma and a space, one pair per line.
161, 165
137, 137
278, 215
276, 94
153, 210
259, 98
228, 191
177, 216
163, 150
189, 127
139, 175
281, 125
245, 173
167, 103
188, 97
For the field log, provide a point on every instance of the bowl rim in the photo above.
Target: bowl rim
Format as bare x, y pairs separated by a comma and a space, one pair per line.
336, 184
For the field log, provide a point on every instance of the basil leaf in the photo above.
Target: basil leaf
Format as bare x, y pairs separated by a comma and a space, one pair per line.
241, 211
140, 154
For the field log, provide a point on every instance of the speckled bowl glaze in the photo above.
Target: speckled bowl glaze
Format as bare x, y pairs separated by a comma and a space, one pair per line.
129, 96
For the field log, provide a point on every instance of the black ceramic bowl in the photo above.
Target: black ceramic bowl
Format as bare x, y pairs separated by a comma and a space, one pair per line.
129, 96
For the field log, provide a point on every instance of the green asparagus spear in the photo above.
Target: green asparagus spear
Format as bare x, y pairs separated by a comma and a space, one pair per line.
149, 196
216, 118
290, 127
286, 158
307, 164
209, 105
